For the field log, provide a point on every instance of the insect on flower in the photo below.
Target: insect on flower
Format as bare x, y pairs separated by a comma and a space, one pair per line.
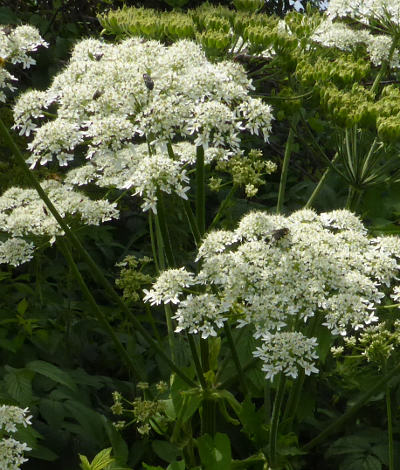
148, 81
279, 233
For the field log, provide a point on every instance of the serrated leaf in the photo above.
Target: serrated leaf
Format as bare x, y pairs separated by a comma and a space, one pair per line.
102, 459
85, 465
348, 445
367, 462
19, 385
52, 372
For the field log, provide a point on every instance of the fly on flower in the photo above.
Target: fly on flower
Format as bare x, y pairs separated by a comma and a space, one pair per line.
148, 81
279, 233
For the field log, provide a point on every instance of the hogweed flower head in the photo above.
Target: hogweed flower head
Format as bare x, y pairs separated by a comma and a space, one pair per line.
111, 96
23, 214
277, 274
15, 46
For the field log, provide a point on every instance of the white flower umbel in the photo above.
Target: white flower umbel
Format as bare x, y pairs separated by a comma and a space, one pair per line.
11, 450
343, 37
278, 273
111, 97
375, 13
15, 47
15, 251
23, 213
169, 286
11, 416
287, 352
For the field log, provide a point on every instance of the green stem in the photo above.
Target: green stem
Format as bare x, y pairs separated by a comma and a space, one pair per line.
200, 191
153, 241
353, 199
192, 222
321, 183
384, 67
97, 311
273, 433
336, 425
235, 357
169, 254
285, 165
196, 360
94, 269
205, 355
389, 425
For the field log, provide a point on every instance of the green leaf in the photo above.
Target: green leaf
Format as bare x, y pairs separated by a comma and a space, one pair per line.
52, 372
348, 445
177, 465
120, 449
253, 422
91, 422
52, 411
19, 385
150, 467
215, 454
85, 465
22, 306
357, 462
165, 450
102, 459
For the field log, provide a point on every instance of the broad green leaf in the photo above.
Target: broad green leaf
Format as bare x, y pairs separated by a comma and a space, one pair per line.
52, 411
165, 450
19, 385
52, 372
90, 421
215, 454
150, 467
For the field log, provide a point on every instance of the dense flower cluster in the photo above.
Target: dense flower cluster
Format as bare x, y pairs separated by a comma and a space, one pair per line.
278, 273
110, 97
375, 16
23, 214
11, 450
368, 12
15, 46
